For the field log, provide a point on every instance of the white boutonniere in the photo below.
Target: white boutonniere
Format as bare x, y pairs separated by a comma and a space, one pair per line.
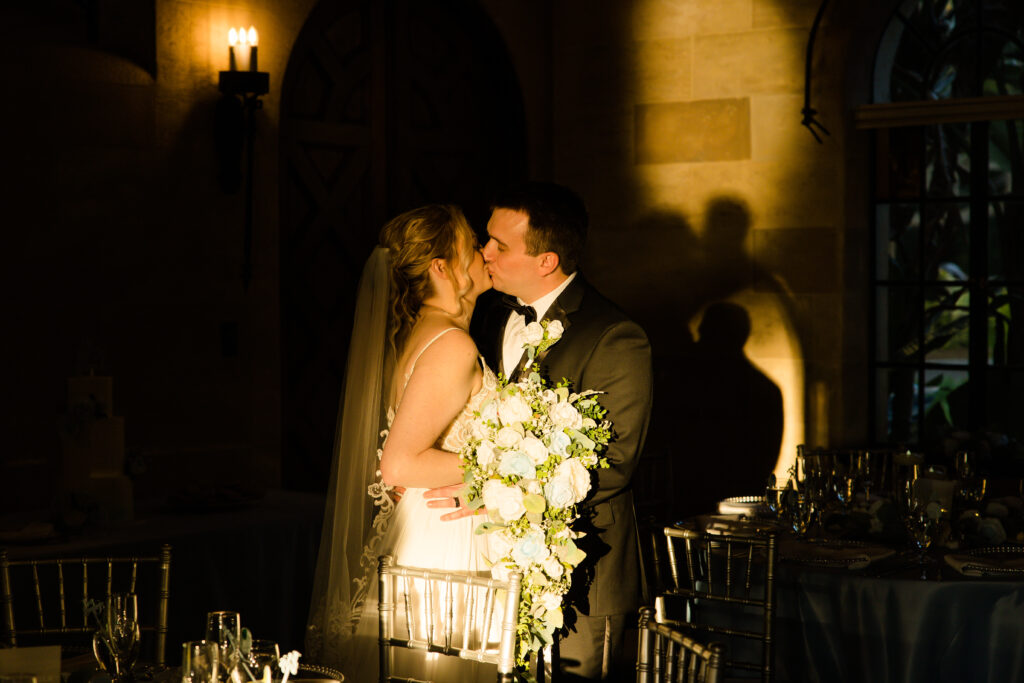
538, 337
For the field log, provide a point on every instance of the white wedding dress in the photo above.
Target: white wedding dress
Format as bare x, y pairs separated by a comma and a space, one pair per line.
416, 537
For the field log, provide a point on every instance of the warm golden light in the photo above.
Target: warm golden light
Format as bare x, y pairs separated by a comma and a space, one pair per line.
244, 57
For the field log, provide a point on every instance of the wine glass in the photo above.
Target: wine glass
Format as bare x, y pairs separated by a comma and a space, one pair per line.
923, 520
225, 629
970, 488
116, 644
200, 661
264, 654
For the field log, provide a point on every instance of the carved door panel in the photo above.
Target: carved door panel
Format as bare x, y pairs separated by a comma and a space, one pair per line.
385, 106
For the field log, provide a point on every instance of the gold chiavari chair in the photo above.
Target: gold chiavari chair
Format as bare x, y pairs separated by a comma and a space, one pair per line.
51, 596
448, 613
667, 655
727, 582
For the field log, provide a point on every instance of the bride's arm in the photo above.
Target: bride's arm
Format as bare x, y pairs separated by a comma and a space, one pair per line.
437, 392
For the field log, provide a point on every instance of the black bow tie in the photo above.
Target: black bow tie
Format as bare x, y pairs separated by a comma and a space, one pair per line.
528, 312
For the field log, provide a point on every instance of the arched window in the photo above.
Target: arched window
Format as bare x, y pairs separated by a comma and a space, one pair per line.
948, 277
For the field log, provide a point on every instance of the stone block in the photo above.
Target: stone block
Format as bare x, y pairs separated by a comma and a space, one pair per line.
777, 135
710, 130
663, 70
677, 18
754, 62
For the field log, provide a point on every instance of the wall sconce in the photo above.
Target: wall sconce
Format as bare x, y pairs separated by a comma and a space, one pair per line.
241, 87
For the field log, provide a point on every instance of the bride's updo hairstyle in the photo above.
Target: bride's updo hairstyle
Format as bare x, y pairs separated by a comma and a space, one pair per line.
414, 239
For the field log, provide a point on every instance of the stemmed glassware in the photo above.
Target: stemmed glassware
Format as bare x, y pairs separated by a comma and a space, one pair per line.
970, 488
225, 629
923, 521
264, 655
841, 479
116, 644
200, 660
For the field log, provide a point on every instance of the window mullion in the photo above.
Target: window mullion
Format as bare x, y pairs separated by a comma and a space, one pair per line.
978, 325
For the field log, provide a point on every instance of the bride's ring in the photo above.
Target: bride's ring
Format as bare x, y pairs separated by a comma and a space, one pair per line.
457, 503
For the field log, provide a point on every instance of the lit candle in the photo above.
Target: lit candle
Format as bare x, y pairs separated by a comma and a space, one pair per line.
266, 674
253, 40
241, 53
232, 40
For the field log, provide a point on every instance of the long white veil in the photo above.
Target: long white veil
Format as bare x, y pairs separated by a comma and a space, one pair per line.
358, 506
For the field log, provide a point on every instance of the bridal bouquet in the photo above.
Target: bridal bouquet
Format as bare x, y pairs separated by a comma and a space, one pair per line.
528, 461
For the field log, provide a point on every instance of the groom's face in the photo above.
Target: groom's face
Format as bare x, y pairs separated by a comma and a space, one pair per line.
513, 271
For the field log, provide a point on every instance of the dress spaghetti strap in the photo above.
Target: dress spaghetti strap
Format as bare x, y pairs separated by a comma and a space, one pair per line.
426, 346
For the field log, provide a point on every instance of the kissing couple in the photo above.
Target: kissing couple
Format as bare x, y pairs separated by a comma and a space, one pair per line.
428, 341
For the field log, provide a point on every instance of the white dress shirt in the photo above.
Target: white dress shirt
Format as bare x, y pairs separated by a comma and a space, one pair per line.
512, 344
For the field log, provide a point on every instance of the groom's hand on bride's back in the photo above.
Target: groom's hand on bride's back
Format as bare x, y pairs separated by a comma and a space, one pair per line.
448, 497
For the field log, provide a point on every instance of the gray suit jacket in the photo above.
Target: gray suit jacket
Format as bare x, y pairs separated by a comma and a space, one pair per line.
604, 350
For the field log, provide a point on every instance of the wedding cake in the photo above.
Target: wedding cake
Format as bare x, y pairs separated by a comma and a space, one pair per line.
93, 449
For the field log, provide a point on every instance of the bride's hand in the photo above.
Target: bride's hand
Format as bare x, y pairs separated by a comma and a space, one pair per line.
449, 497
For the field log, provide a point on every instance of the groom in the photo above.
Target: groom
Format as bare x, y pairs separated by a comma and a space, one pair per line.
536, 238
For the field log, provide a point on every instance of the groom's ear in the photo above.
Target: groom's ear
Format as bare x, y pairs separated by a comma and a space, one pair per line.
548, 263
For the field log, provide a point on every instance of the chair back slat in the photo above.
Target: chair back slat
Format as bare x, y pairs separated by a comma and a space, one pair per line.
442, 612
729, 576
39, 595
55, 590
62, 597
668, 654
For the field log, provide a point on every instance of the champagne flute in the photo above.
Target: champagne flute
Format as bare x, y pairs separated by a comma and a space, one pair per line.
225, 629
116, 644
264, 654
200, 661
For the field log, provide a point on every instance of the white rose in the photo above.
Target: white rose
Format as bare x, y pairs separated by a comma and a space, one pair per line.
549, 397
479, 430
507, 438
558, 442
551, 601
589, 423
553, 567
530, 549
533, 334
555, 329
507, 500
489, 411
535, 449
514, 409
485, 453
566, 415
569, 484
499, 544
533, 486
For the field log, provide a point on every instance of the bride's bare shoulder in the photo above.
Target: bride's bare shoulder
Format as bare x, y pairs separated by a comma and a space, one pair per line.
439, 342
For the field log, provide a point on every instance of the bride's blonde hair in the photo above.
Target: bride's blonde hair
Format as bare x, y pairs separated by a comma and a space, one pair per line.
414, 239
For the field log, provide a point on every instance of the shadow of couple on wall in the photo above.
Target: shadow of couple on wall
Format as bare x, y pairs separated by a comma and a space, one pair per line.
717, 421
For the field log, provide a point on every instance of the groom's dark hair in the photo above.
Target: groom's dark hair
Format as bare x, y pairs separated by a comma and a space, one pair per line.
558, 219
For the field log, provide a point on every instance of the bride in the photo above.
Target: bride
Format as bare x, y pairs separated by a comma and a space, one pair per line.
411, 352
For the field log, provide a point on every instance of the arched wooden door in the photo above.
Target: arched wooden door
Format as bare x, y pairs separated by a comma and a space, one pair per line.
386, 105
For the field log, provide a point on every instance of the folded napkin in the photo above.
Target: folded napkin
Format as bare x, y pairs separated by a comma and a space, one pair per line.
838, 554
39, 663
987, 565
